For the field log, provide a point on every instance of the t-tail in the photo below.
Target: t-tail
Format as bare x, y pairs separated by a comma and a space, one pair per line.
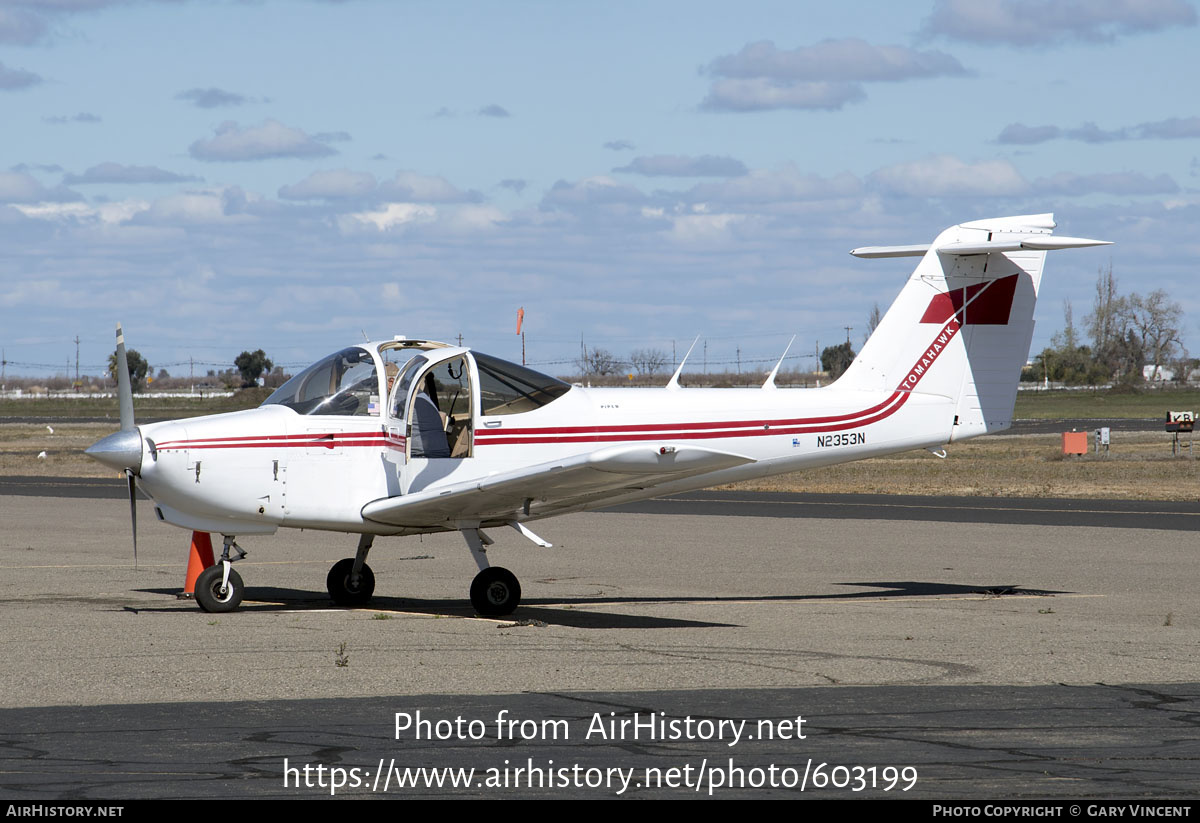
962, 325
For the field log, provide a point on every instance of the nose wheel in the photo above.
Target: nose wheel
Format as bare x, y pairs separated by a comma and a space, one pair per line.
495, 592
213, 594
219, 588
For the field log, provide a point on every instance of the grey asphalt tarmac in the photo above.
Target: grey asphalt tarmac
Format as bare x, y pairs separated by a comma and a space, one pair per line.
1043, 655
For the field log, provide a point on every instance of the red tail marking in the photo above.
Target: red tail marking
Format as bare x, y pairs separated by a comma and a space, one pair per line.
986, 304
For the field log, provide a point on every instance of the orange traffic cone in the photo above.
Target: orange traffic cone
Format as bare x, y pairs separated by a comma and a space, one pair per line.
199, 559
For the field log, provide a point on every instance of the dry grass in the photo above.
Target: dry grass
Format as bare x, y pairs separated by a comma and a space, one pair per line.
20, 444
1139, 467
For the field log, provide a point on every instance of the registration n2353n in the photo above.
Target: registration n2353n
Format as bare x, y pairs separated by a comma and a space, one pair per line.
841, 439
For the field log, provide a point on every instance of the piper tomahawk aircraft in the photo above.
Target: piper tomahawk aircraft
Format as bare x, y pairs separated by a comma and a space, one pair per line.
405, 437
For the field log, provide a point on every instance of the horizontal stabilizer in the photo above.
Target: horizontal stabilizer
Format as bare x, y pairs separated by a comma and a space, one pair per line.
1029, 242
873, 252
498, 497
1026, 242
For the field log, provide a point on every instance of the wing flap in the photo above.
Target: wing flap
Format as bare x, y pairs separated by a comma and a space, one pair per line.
556, 483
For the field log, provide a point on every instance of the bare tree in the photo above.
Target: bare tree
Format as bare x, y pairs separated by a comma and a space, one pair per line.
1155, 319
1070, 338
599, 362
1104, 323
872, 322
648, 361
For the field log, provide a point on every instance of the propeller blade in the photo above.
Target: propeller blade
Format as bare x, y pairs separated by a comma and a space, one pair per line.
132, 512
124, 387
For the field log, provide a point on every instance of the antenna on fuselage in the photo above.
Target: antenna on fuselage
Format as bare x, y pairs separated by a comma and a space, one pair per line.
673, 383
770, 384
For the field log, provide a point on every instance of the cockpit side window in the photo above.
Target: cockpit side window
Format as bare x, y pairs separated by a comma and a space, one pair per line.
342, 384
403, 381
506, 388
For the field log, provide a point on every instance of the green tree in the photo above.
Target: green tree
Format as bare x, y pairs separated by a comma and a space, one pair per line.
836, 359
252, 365
138, 368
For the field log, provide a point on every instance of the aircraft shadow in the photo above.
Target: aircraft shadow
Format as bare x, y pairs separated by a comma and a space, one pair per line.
561, 611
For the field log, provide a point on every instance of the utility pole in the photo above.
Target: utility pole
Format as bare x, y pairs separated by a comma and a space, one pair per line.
706, 355
739, 359
76, 361
847, 328
460, 340
191, 375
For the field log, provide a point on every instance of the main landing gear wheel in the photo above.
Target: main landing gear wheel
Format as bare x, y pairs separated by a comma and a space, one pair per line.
340, 588
495, 592
209, 593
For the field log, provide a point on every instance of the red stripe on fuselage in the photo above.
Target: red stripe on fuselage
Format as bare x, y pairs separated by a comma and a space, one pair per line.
617, 433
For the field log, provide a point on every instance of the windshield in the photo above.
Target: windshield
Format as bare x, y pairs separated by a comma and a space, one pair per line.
341, 384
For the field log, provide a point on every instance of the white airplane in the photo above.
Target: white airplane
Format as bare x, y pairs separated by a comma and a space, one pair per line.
405, 437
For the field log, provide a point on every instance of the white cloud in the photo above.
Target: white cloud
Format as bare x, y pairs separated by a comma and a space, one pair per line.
1018, 134
494, 110
675, 165
761, 94
1173, 128
1031, 23
410, 186
591, 191
269, 140
1120, 183
224, 206
775, 186
705, 229
391, 216
472, 219
81, 117
848, 60
330, 185
212, 98
945, 175
15, 79
113, 213
19, 27
118, 173
20, 187
827, 75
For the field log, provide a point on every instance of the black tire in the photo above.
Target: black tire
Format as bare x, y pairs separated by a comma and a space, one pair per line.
209, 596
340, 590
495, 592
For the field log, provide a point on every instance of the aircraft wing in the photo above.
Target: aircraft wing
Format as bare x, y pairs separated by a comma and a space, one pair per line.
553, 485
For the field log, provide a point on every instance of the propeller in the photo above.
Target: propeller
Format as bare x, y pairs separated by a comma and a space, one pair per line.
124, 387
123, 450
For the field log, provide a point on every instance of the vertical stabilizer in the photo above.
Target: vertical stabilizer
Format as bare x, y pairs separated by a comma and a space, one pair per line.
964, 318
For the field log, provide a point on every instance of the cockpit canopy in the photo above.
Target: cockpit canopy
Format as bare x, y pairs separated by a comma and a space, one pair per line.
352, 382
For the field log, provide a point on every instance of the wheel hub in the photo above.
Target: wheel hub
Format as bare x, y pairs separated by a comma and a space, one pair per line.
497, 593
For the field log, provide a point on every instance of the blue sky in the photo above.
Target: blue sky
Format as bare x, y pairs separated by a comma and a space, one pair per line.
289, 175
